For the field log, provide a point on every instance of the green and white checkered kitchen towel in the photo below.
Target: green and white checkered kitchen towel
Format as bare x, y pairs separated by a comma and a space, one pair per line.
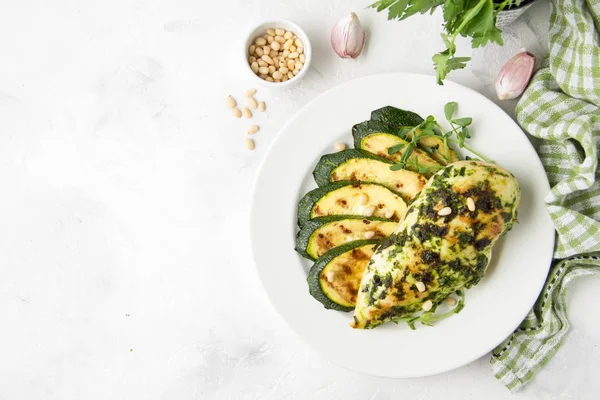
562, 107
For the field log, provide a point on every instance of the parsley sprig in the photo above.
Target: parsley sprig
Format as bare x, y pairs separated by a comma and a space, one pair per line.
429, 128
468, 18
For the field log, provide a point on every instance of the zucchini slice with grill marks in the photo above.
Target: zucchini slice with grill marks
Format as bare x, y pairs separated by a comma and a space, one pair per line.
399, 118
320, 235
342, 198
377, 137
360, 165
335, 277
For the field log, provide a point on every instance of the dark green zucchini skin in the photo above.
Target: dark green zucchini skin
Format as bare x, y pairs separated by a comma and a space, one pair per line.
313, 224
396, 117
327, 163
314, 287
365, 128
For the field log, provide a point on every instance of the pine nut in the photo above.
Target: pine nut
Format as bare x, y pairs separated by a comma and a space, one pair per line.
298, 65
269, 79
275, 45
420, 286
260, 41
369, 234
251, 49
263, 76
252, 103
300, 50
451, 301
290, 75
299, 43
271, 69
262, 63
291, 65
251, 59
338, 146
470, 204
302, 58
284, 70
254, 66
288, 44
230, 102
276, 80
428, 305
262, 106
263, 70
271, 31
277, 75
267, 59
266, 35
445, 211
280, 32
363, 199
236, 113
253, 129
249, 144
247, 113
273, 53
266, 49
259, 51
294, 55
390, 214
250, 92
285, 53
293, 48
270, 39
284, 78
295, 72
330, 276
369, 211
288, 35
276, 61
279, 39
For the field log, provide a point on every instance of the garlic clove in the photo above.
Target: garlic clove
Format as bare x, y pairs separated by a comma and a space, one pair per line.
348, 37
515, 75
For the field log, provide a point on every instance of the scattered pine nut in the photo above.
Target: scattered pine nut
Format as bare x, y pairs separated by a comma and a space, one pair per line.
247, 113
262, 106
470, 204
445, 211
338, 146
249, 144
252, 103
420, 286
280, 32
428, 305
369, 211
369, 234
271, 31
236, 113
451, 301
250, 92
363, 198
230, 102
253, 129
390, 214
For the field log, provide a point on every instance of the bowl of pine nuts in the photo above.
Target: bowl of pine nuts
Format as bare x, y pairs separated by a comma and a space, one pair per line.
277, 53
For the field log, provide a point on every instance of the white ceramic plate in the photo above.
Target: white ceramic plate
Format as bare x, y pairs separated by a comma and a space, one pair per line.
494, 308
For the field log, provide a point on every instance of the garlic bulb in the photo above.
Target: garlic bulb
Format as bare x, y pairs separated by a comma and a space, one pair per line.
348, 37
515, 75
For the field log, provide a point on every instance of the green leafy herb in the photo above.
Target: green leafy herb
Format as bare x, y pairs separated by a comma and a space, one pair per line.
429, 317
475, 19
430, 127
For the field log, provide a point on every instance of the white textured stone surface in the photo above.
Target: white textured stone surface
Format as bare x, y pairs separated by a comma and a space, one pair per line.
124, 261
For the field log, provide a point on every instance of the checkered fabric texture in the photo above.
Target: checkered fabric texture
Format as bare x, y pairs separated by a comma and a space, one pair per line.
561, 106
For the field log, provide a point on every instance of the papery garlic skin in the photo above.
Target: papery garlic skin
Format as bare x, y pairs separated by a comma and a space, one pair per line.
348, 37
515, 75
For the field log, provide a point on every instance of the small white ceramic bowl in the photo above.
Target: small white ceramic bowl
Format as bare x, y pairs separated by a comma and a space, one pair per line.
260, 30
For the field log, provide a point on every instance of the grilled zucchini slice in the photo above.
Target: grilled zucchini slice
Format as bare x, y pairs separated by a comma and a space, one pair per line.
320, 235
360, 165
334, 278
342, 198
377, 137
